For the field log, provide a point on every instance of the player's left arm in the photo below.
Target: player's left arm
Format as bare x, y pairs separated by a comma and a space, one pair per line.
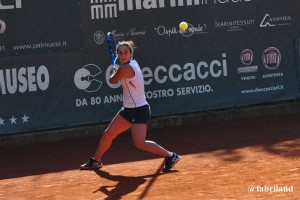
124, 71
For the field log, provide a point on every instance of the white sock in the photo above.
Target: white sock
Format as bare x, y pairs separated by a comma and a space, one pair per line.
170, 154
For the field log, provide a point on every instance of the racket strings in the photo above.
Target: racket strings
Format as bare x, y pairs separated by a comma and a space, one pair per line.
112, 45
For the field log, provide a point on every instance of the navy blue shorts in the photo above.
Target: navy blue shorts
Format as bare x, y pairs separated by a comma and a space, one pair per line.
138, 115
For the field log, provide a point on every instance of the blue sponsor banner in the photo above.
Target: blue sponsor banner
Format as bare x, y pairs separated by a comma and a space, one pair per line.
52, 91
45, 26
235, 72
224, 59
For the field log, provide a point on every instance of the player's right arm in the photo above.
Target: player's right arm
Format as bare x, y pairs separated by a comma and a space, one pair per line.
124, 71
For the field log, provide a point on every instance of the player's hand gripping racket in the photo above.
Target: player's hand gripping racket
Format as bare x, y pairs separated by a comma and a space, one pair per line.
112, 45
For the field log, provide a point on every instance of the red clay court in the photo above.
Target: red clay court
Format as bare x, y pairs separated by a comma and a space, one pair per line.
256, 158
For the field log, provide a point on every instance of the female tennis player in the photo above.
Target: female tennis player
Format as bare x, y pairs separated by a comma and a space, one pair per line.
134, 114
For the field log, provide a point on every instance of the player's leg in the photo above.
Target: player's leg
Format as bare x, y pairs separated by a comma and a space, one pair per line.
141, 117
117, 126
139, 132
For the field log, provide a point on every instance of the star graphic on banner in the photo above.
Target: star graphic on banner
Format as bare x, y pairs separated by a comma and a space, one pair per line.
13, 120
1, 121
25, 118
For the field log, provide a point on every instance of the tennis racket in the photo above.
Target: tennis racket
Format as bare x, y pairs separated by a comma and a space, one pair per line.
112, 44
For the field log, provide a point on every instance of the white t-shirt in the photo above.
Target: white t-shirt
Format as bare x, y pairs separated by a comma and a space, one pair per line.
133, 88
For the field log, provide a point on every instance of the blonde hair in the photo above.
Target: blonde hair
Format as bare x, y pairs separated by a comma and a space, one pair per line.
129, 44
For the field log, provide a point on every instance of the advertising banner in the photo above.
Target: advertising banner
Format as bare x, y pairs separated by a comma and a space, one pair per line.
33, 27
52, 91
178, 64
233, 53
